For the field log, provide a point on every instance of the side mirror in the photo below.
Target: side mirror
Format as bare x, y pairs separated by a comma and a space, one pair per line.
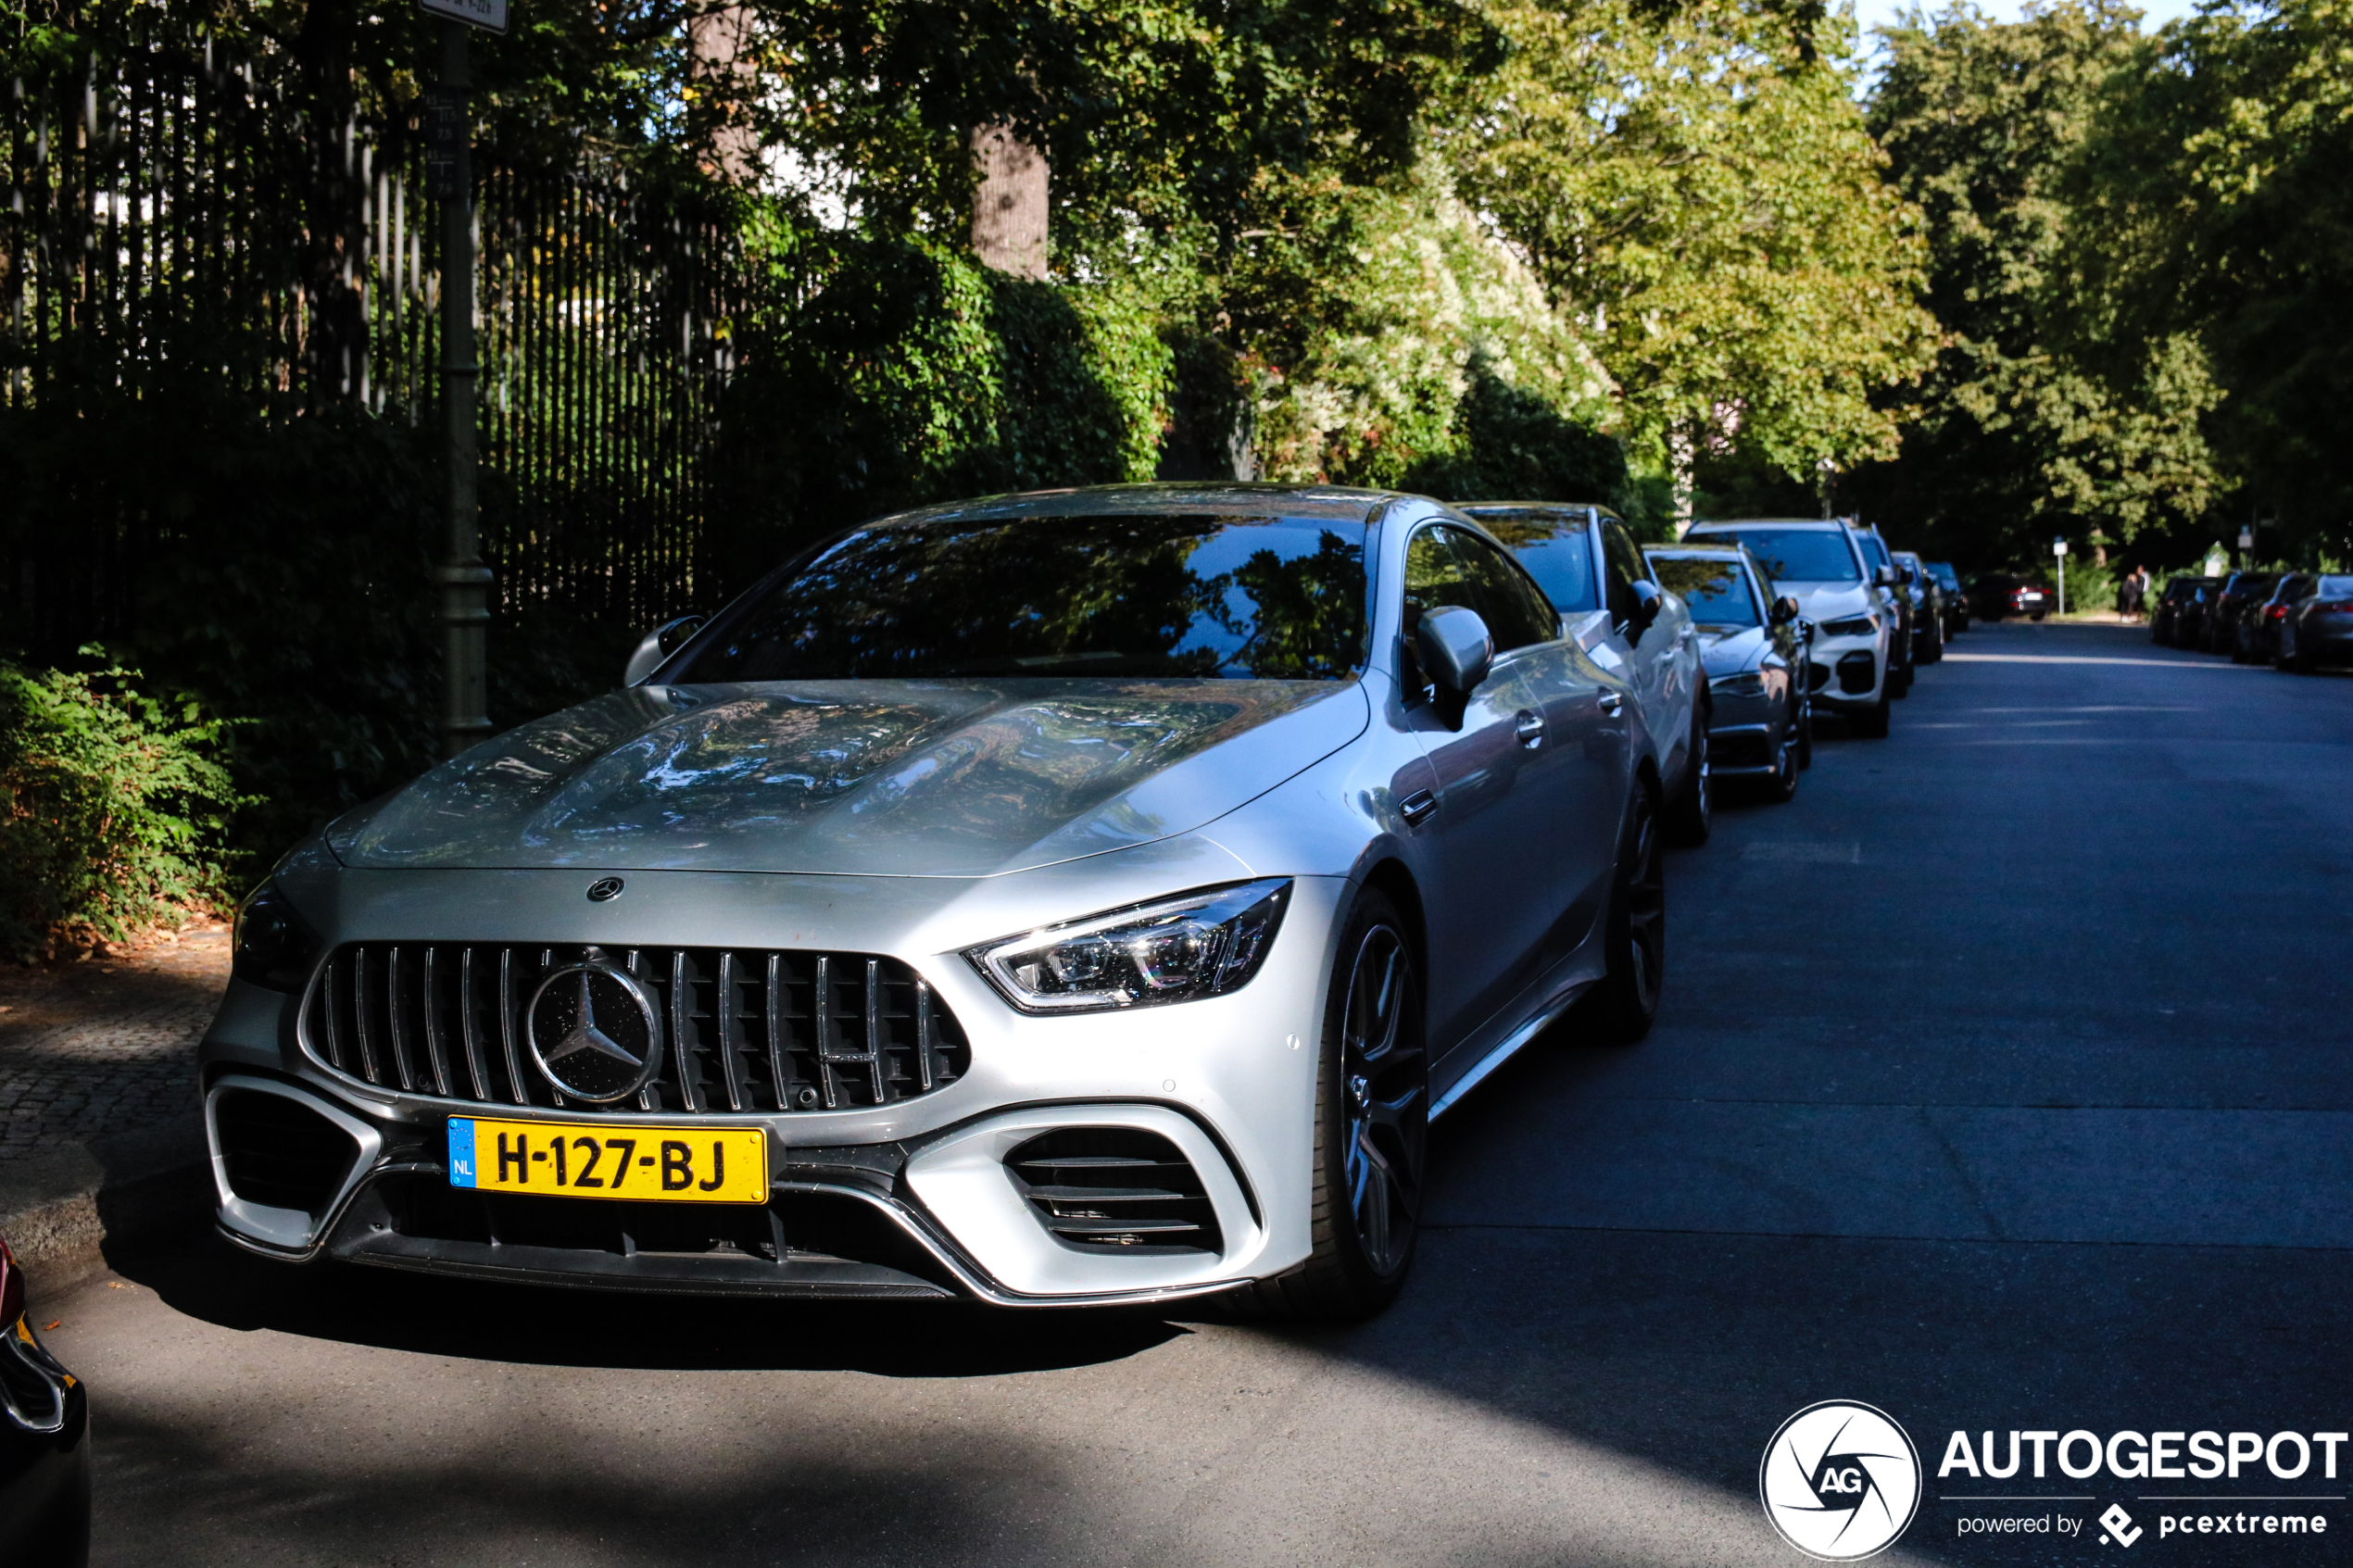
1889, 577
1648, 601
1785, 609
658, 644
1454, 646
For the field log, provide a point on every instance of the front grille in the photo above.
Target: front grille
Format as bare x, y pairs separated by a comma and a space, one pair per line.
743, 1031
280, 1153
1105, 1189
1817, 677
1855, 673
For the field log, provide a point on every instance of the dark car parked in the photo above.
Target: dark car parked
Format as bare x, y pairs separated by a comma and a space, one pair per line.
1996, 596
2256, 638
2173, 619
2241, 591
45, 1443
1955, 602
1928, 609
2318, 629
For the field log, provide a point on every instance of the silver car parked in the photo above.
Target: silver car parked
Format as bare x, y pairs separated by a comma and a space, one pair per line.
1598, 578
1822, 564
1754, 642
1086, 896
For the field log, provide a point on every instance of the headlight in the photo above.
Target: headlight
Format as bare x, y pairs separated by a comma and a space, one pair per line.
1748, 684
273, 946
1179, 949
1853, 626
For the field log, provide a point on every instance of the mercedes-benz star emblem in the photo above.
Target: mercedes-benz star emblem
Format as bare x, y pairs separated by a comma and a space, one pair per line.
604, 889
596, 1032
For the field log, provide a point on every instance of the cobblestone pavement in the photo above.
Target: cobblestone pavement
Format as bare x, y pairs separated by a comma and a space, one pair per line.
105, 1045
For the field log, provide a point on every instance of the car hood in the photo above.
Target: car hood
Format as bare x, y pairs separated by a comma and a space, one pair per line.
1730, 650
910, 778
1828, 601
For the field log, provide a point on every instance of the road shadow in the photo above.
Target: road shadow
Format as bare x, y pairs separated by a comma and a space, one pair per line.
209, 1280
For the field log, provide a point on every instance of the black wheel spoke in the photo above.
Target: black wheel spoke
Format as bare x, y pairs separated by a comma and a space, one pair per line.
1384, 1081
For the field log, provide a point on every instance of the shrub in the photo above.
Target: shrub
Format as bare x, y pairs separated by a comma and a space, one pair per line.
112, 810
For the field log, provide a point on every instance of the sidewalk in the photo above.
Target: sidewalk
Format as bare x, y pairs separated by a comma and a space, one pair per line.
100, 1145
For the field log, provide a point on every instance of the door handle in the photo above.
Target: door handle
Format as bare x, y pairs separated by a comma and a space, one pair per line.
1611, 703
1528, 726
1417, 807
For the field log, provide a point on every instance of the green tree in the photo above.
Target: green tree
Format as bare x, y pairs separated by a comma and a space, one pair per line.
2213, 206
1698, 192
2050, 411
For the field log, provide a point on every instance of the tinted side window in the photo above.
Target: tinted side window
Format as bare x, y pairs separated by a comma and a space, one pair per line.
1513, 609
1446, 566
1622, 568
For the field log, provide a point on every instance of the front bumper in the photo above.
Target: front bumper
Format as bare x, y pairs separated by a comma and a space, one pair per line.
912, 1198
1848, 673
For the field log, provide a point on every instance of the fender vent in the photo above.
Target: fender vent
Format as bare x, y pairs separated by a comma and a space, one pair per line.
1116, 1189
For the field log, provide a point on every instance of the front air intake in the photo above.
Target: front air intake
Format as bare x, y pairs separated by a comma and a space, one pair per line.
1116, 1189
280, 1153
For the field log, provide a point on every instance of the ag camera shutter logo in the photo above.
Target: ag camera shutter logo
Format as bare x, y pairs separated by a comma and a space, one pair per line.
1841, 1481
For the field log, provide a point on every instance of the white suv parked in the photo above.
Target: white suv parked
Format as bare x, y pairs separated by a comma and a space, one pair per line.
1837, 587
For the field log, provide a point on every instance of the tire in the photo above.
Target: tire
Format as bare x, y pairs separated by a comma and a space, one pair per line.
1622, 1008
1692, 814
1806, 734
1936, 640
1781, 786
2038, 615
1372, 1126
1871, 723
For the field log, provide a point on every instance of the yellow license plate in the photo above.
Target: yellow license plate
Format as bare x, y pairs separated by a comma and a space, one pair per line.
644, 1164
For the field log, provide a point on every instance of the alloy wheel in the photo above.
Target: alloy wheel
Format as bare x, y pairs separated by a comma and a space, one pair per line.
1385, 1087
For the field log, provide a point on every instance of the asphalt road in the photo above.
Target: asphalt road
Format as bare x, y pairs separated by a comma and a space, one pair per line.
2002, 1083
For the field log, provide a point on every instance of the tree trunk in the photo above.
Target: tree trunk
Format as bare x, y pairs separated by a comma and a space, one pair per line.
1009, 203
724, 73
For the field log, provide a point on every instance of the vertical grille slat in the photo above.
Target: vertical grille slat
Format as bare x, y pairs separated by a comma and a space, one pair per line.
359, 1014
507, 1026
470, 1027
436, 1044
745, 1032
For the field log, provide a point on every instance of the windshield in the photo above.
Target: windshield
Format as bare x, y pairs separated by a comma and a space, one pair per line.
1791, 554
1717, 591
1942, 572
1132, 595
1557, 548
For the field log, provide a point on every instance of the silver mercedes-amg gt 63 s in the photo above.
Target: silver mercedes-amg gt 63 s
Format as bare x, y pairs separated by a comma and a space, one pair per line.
1085, 896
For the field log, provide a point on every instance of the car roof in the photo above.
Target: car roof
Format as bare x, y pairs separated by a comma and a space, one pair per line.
1820, 523
1697, 552
1477, 508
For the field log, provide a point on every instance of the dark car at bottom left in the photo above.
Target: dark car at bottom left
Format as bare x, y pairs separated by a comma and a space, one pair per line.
45, 1443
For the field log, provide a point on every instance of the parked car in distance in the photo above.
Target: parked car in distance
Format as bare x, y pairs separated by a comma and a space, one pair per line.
1821, 564
45, 1443
1998, 595
1585, 559
2317, 629
1753, 643
1888, 580
877, 942
2241, 591
1928, 609
2256, 638
2174, 618
1955, 602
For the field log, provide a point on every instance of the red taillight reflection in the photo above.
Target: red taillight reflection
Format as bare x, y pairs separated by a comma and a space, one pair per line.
2276, 612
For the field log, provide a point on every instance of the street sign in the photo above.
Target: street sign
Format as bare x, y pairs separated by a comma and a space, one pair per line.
489, 14
2246, 538
445, 132
2058, 546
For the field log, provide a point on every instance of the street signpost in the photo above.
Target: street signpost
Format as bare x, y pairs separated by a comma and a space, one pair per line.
2058, 548
465, 582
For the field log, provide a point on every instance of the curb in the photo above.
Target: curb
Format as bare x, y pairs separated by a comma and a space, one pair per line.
67, 1211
